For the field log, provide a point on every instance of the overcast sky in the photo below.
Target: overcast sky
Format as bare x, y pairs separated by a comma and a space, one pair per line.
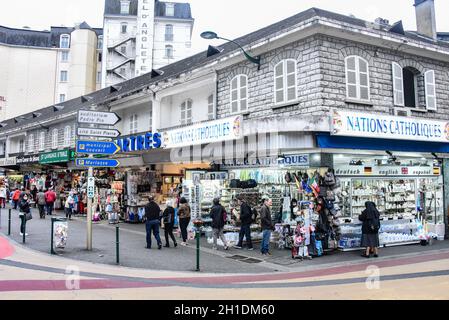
229, 18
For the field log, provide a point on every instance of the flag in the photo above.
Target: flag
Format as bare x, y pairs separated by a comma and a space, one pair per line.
315, 186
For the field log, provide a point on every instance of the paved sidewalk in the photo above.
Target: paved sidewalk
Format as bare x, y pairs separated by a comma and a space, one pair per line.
133, 254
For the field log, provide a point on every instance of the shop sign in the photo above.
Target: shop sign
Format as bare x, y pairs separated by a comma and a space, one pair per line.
8, 161
203, 133
386, 171
30, 159
301, 160
140, 142
355, 124
59, 156
144, 37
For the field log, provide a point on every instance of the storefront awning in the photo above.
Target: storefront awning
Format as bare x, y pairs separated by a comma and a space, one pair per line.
327, 141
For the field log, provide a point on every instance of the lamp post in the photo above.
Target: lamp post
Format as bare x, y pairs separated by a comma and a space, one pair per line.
210, 35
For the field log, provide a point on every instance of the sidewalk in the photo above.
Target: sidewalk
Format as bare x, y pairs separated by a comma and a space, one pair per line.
133, 252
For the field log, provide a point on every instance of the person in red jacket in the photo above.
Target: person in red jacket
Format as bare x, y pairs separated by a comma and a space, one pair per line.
50, 198
15, 198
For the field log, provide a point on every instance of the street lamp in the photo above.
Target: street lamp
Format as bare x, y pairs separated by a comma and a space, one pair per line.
210, 35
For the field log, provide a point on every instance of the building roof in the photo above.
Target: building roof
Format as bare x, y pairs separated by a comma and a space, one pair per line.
182, 10
41, 39
173, 70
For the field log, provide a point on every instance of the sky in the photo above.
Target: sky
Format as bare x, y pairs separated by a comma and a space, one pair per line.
229, 18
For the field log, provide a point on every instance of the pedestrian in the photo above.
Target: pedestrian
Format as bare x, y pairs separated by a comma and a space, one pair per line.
184, 213
246, 218
2, 196
267, 226
33, 193
41, 203
50, 198
24, 207
370, 229
68, 207
75, 202
153, 215
15, 198
293, 209
218, 215
169, 222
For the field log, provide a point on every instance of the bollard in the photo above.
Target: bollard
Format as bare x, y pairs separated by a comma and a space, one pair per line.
117, 243
0, 216
9, 222
24, 227
198, 234
52, 250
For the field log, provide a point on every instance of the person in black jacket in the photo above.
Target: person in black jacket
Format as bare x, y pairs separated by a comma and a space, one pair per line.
169, 221
153, 215
246, 217
218, 215
370, 229
267, 226
24, 206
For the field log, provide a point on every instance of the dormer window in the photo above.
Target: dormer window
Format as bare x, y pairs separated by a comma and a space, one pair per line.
124, 7
64, 41
169, 9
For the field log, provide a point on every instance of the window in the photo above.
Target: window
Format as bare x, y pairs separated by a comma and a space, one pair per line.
54, 139
31, 143
64, 41
169, 51
413, 89
169, 9
100, 42
42, 141
133, 123
63, 76
67, 136
357, 78
124, 27
2, 148
285, 81
99, 77
124, 7
169, 32
21, 146
151, 118
64, 56
239, 94
210, 107
186, 112
61, 97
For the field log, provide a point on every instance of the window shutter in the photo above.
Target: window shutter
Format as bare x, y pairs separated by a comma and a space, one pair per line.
398, 85
431, 97
279, 82
351, 78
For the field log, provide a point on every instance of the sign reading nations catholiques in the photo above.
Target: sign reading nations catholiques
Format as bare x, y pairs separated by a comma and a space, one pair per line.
354, 124
203, 133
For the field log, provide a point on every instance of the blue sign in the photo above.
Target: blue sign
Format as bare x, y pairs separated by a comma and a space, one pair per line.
97, 163
97, 147
141, 142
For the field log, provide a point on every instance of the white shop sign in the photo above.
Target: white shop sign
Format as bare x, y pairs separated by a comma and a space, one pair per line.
386, 171
144, 37
203, 133
300, 160
8, 161
355, 124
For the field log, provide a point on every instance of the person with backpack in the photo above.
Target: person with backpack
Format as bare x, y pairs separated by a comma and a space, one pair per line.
184, 213
50, 198
246, 218
169, 221
370, 229
218, 215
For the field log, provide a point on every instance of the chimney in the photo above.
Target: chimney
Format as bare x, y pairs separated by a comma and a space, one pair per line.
425, 18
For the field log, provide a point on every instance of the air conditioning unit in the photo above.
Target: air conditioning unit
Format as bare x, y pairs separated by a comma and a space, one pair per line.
402, 112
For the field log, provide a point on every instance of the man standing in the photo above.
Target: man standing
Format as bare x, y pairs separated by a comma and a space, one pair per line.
218, 215
41, 203
246, 220
153, 215
267, 226
50, 198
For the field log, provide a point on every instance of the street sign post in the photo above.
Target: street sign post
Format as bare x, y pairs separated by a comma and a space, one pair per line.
97, 163
97, 117
101, 133
97, 147
90, 187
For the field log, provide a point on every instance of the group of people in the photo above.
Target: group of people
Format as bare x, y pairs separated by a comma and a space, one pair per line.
45, 201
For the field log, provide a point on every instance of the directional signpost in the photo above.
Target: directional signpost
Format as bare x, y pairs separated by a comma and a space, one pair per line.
94, 118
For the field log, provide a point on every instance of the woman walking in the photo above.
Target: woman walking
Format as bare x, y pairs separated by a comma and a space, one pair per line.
169, 221
184, 219
370, 229
24, 206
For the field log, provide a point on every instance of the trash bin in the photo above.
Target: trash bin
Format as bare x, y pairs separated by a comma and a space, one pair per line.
59, 232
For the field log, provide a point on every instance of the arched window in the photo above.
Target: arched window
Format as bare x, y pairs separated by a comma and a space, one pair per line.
31, 143
64, 41
285, 81
42, 140
67, 136
169, 51
186, 112
54, 139
357, 78
239, 93
169, 32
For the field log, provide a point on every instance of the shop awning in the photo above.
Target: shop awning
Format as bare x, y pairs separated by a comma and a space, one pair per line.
326, 141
